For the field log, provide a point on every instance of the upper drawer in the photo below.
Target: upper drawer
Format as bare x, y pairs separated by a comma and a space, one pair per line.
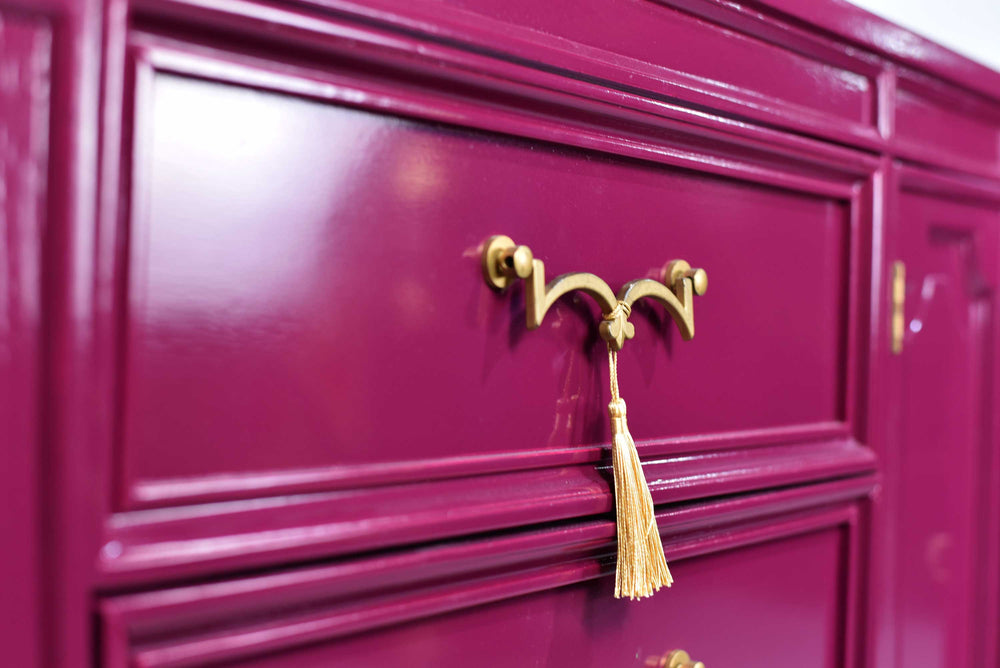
941, 124
303, 302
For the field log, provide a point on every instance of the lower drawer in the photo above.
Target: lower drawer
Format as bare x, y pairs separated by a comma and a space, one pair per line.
763, 591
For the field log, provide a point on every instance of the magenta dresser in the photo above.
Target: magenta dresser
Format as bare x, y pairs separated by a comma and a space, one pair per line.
260, 409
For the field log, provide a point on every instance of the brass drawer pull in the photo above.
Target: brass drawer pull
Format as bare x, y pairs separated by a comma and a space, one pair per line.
504, 262
675, 659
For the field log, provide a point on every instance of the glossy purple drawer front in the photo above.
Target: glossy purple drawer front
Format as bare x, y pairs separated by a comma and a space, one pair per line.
779, 603
956, 127
304, 292
771, 589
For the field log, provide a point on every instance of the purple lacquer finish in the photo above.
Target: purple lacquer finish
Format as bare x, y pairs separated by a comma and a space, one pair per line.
260, 408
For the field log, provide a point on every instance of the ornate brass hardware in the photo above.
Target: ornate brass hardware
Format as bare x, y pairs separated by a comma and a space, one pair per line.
898, 306
504, 262
675, 659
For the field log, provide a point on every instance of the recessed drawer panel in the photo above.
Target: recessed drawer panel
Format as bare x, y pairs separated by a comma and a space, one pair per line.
775, 592
947, 126
304, 293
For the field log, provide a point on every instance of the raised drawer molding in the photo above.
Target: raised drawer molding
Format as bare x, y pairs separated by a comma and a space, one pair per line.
263, 411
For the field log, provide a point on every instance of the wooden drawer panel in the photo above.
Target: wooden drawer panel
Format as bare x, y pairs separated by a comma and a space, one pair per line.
774, 590
942, 124
304, 308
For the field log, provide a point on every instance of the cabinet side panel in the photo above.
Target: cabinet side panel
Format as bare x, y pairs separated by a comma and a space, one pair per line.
24, 91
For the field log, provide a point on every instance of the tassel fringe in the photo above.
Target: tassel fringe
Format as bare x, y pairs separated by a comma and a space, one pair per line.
642, 568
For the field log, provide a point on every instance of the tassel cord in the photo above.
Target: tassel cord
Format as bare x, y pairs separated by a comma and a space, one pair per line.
641, 568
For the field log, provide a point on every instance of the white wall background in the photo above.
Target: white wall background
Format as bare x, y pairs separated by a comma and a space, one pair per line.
970, 27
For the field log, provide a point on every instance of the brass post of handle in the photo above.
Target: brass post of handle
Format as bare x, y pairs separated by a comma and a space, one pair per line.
678, 658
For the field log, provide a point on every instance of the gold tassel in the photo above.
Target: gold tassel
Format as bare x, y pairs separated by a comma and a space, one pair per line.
642, 567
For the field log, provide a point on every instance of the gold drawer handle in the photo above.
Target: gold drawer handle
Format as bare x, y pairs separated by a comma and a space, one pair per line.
675, 659
504, 262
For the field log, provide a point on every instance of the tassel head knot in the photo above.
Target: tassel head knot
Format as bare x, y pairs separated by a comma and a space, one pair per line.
616, 410
616, 329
